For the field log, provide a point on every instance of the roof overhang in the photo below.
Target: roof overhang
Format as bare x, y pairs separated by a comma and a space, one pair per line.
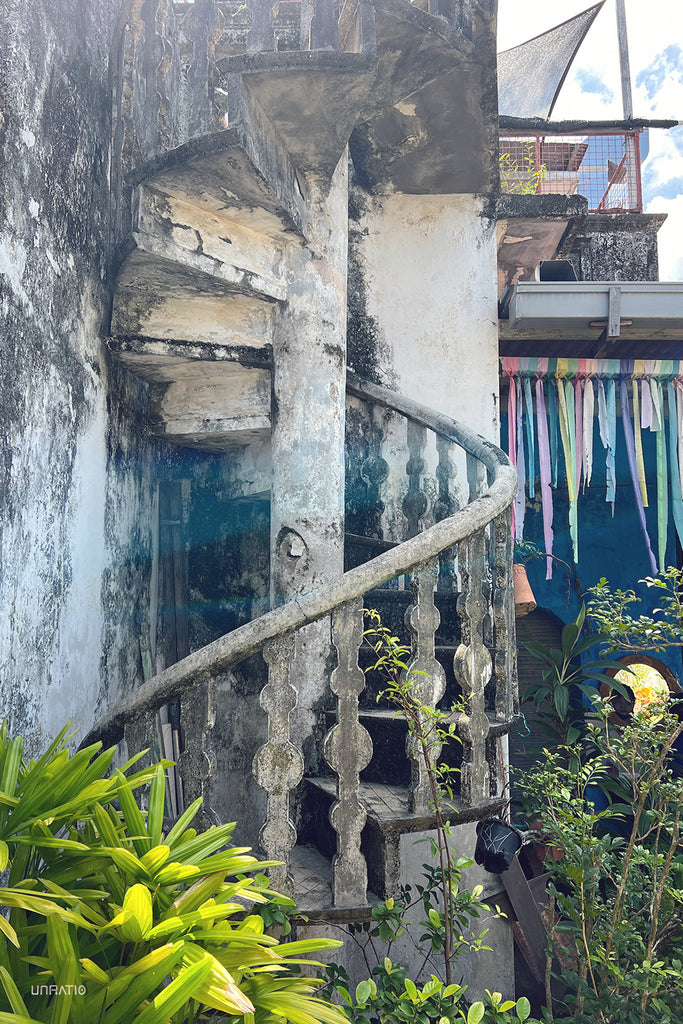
631, 319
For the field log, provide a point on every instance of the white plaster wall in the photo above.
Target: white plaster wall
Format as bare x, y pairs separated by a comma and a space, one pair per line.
488, 968
74, 674
429, 265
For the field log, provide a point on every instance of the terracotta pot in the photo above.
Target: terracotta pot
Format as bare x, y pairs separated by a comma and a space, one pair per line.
525, 601
546, 851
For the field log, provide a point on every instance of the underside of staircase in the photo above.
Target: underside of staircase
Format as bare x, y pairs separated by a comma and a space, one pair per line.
233, 126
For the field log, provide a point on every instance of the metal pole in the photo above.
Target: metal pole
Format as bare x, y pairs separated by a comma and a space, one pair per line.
633, 202
624, 63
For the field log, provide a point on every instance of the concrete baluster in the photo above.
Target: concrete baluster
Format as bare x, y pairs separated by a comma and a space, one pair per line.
374, 472
279, 765
444, 506
426, 677
324, 26
472, 665
415, 502
348, 749
505, 647
260, 35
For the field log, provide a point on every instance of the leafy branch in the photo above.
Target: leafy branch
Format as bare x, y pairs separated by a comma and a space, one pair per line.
613, 613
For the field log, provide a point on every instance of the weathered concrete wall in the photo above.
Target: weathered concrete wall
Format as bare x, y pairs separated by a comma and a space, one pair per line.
613, 246
428, 267
423, 320
74, 466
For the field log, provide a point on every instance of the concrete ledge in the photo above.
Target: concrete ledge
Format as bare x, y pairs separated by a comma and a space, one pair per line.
535, 207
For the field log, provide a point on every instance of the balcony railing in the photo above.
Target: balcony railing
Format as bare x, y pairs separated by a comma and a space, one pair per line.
605, 168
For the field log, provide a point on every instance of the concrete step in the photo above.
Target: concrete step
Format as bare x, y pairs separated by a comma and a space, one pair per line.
388, 819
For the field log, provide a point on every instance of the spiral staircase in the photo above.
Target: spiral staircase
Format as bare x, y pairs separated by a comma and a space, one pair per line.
231, 125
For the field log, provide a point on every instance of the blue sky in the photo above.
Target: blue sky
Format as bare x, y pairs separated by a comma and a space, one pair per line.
593, 90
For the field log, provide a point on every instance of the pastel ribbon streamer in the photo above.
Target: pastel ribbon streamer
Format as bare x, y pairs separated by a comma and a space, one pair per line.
640, 463
531, 454
512, 432
646, 404
679, 417
662, 487
520, 500
568, 444
674, 438
631, 453
656, 392
570, 404
611, 493
552, 423
588, 417
602, 414
544, 462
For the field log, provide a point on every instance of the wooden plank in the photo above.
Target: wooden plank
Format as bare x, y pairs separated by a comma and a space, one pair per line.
526, 911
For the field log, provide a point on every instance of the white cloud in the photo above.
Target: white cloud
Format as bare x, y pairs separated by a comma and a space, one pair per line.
669, 237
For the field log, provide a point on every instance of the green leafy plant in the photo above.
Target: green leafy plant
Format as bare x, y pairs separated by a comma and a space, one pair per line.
391, 996
563, 678
617, 888
115, 919
521, 178
430, 728
612, 612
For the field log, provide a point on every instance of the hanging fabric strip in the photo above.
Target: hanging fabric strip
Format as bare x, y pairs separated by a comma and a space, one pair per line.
602, 414
676, 500
640, 464
657, 417
611, 494
662, 485
578, 418
588, 416
568, 442
571, 469
544, 460
646, 394
631, 453
520, 500
552, 430
512, 425
531, 455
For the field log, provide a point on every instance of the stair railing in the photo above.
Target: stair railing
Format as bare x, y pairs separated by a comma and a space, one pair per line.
480, 532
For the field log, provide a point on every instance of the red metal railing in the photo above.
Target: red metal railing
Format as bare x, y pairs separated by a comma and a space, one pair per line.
605, 168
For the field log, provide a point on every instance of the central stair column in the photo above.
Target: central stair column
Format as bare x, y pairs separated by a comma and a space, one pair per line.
308, 412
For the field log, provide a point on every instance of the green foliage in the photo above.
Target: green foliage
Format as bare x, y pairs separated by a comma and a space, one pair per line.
429, 728
392, 918
561, 717
112, 919
524, 178
391, 997
612, 612
454, 917
617, 887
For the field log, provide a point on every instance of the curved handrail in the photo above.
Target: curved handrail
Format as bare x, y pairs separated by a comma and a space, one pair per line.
300, 610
